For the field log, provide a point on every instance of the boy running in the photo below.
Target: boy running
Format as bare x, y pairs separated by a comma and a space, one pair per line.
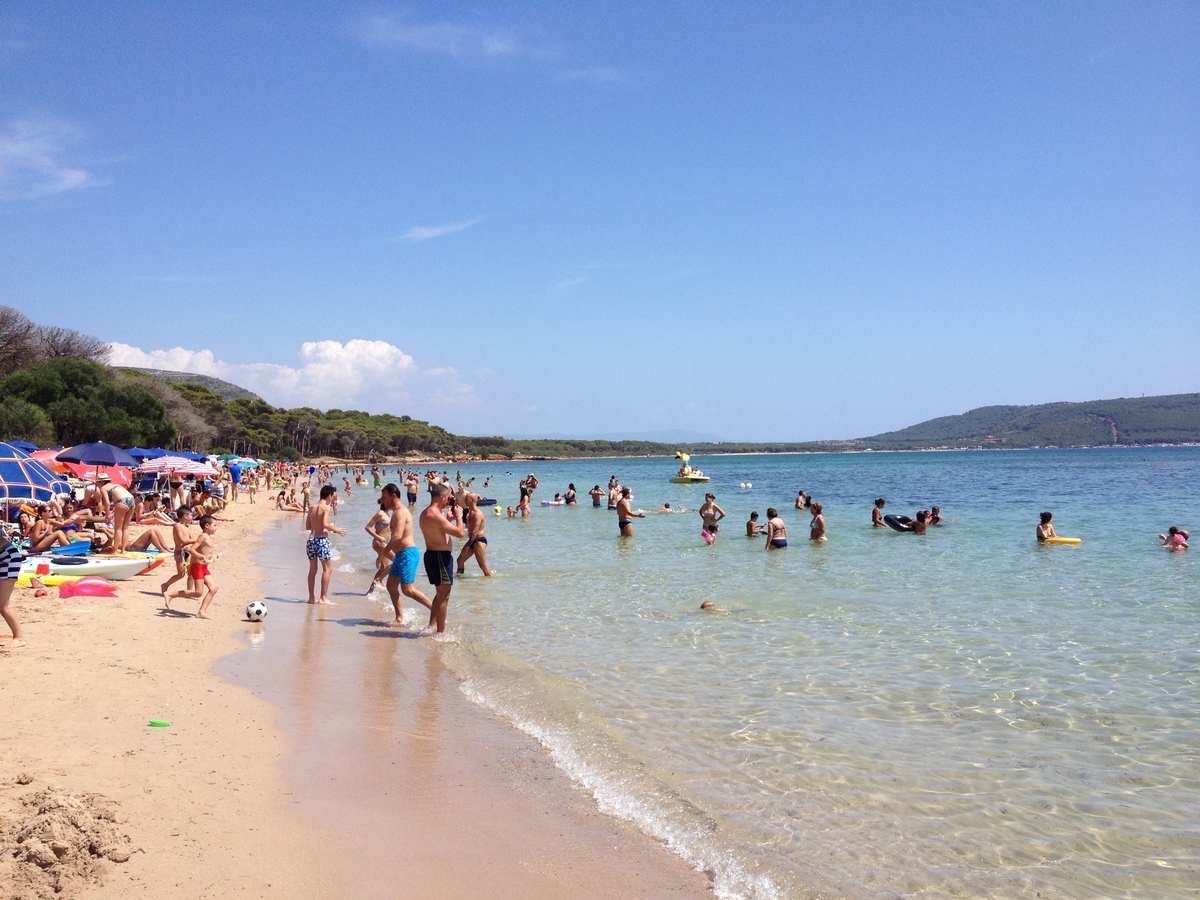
203, 552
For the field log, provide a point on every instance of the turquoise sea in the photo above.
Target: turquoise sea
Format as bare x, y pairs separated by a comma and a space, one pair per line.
961, 714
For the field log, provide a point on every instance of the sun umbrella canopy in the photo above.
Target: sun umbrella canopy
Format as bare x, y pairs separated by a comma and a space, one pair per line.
24, 445
177, 464
99, 454
141, 453
24, 478
49, 459
116, 474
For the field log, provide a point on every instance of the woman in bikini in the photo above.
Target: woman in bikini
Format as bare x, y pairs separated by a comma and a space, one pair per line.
776, 530
43, 535
816, 528
380, 530
119, 502
711, 514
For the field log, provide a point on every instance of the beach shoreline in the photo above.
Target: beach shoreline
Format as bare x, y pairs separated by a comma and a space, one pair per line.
224, 801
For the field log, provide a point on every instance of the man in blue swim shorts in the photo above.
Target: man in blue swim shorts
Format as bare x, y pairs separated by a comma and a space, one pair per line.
406, 556
439, 525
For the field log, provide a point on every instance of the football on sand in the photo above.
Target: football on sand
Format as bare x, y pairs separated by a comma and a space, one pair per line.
256, 611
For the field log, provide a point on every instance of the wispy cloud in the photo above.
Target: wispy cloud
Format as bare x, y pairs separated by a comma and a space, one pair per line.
450, 38
34, 159
361, 374
569, 283
428, 232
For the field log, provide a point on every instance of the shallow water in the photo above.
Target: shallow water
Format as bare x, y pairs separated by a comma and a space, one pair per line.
960, 714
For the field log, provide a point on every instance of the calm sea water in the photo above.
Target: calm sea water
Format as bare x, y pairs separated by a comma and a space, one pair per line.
964, 714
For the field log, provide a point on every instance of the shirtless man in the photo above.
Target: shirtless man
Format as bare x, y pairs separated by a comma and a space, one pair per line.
439, 523
412, 484
625, 513
596, 494
476, 546
402, 547
318, 547
614, 493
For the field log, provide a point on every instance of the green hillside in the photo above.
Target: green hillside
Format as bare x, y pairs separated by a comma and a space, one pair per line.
224, 389
1171, 419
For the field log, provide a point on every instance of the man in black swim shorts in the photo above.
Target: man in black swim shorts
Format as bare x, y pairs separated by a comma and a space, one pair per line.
439, 525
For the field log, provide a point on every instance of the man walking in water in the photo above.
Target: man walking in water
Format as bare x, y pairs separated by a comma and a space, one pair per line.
405, 556
625, 513
318, 547
439, 523
476, 544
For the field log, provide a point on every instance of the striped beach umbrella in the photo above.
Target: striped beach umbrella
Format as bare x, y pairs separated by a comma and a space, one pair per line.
23, 478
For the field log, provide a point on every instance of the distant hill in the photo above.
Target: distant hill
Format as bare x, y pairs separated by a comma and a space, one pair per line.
667, 436
223, 389
1170, 419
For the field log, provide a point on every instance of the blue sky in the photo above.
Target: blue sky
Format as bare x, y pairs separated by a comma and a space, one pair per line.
756, 221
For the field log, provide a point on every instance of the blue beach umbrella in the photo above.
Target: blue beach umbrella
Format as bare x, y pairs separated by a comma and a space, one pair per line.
22, 478
98, 454
24, 445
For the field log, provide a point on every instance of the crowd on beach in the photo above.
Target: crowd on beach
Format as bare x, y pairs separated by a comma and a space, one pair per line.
110, 518
182, 520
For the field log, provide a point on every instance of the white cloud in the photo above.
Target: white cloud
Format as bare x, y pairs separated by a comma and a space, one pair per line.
428, 232
370, 375
448, 38
33, 159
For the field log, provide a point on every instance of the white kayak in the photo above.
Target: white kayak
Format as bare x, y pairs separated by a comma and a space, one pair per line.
115, 568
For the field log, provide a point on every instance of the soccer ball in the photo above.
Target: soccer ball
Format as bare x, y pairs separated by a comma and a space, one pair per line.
256, 611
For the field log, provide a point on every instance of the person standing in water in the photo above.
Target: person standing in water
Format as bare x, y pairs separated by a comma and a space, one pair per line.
711, 514
377, 528
439, 524
625, 513
318, 549
476, 545
816, 528
597, 496
776, 530
877, 514
402, 548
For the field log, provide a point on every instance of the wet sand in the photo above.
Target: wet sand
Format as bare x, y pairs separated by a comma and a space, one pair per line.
336, 757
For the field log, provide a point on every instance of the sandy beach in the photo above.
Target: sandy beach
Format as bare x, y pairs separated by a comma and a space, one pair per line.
231, 800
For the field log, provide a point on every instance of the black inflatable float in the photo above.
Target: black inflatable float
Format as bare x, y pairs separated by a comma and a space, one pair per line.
898, 523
